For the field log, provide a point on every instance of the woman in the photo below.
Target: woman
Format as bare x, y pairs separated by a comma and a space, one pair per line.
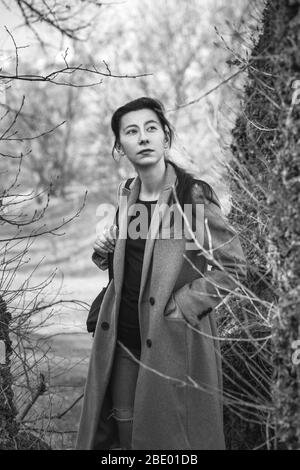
154, 379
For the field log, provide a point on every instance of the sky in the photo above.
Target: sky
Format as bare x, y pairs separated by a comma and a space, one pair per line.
11, 19
25, 39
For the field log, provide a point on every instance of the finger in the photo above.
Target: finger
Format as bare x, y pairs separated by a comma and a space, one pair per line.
108, 245
100, 239
103, 251
99, 250
101, 247
100, 243
110, 242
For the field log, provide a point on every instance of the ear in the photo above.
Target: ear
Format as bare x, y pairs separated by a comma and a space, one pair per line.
118, 147
167, 137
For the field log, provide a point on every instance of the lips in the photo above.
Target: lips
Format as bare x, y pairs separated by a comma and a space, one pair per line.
141, 152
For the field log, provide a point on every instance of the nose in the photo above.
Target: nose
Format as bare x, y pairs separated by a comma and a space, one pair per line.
143, 139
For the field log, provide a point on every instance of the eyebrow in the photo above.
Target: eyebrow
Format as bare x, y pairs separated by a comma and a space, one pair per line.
135, 125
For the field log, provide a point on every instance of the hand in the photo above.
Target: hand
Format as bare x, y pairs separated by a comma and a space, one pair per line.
105, 243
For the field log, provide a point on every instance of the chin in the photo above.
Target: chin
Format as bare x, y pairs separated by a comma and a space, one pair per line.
147, 162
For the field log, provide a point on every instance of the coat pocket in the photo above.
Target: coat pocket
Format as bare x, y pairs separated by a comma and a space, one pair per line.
173, 311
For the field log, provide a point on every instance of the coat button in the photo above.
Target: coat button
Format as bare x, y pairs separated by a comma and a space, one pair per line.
104, 325
205, 312
152, 300
149, 343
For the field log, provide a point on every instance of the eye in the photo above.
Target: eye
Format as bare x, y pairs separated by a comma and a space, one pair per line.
130, 131
152, 128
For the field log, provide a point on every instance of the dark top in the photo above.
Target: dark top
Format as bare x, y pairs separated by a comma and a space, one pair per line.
128, 321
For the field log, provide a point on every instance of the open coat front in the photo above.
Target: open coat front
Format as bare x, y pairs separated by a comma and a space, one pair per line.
178, 400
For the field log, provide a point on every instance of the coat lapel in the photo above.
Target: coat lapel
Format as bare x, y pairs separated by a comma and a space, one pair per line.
128, 197
158, 215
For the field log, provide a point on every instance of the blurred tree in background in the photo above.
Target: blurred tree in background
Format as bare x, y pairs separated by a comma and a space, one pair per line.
177, 45
22, 305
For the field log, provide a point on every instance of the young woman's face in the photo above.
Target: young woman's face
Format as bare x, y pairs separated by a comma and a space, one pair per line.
142, 137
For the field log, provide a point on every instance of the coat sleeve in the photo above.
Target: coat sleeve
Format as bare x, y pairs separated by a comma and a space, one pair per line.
224, 254
101, 260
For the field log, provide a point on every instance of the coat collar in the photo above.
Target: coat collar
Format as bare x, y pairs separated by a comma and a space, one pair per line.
135, 186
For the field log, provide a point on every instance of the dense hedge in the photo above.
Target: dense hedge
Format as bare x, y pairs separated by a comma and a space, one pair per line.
265, 185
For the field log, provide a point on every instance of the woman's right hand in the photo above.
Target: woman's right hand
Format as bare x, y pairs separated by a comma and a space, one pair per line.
105, 243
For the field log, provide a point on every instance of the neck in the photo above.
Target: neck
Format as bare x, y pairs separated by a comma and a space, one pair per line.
152, 179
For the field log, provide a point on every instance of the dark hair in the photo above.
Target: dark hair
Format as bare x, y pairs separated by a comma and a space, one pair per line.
185, 180
135, 105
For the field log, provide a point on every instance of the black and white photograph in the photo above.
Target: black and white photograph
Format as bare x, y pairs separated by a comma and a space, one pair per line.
149, 228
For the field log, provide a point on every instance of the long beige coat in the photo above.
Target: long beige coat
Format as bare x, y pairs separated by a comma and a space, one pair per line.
178, 400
